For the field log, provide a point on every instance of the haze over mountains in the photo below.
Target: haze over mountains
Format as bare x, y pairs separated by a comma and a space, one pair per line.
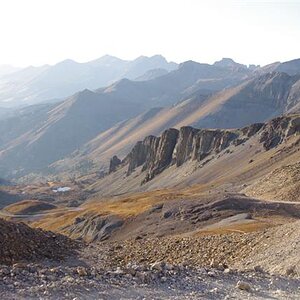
197, 165
81, 133
37, 84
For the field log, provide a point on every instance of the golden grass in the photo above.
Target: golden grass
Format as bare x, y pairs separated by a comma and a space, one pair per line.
256, 225
19, 207
125, 207
56, 222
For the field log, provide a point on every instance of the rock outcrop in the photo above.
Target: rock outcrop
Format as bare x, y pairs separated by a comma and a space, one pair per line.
163, 155
155, 154
114, 163
142, 152
94, 228
278, 129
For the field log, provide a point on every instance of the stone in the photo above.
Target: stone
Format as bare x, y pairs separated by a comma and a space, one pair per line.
243, 286
119, 271
19, 265
81, 271
213, 264
211, 273
114, 163
258, 269
155, 154
159, 266
291, 271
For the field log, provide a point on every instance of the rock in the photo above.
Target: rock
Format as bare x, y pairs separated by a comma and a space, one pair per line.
243, 286
211, 273
81, 271
213, 264
184, 146
68, 278
159, 266
258, 269
208, 141
143, 153
291, 271
227, 271
20, 265
163, 153
96, 228
278, 129
155, 154
119, 271
169, 267
114, 163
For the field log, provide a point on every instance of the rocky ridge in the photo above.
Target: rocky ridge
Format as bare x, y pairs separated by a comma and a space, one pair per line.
176, 268
175, 147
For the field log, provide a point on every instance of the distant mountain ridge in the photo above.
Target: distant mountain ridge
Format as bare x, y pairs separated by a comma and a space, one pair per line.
255, 100
57, 130
37, 84
82, 132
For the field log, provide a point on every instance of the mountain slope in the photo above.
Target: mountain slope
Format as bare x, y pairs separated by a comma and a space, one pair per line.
152, 74
60, 129
210, 157
256, 100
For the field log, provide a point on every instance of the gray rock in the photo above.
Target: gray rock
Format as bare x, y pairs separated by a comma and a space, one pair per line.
114, 163
243, 286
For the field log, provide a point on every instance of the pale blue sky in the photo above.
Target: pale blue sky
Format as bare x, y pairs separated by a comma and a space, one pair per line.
36, 32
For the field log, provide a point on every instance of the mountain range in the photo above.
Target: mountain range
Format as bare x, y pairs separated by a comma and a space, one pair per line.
52, 83
81, 133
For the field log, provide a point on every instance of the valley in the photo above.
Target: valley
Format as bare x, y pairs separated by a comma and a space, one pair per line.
183, 185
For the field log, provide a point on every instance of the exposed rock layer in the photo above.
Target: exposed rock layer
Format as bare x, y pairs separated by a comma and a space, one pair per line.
174, 146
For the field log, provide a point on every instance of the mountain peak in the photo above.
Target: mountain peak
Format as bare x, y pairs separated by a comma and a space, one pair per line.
82, 95
227, 62
188, 64
106, 59
67, 62
156, 57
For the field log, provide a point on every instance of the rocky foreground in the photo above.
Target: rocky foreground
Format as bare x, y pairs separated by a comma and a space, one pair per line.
156, 281
19, 242
36, 264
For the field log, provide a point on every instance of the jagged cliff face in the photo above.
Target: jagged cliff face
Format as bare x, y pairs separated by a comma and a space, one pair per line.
277, 130
175, 147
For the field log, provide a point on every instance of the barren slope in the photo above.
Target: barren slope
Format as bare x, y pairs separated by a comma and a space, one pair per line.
256, 100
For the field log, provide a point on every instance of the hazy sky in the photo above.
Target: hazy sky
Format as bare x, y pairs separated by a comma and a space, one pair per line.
36, 32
